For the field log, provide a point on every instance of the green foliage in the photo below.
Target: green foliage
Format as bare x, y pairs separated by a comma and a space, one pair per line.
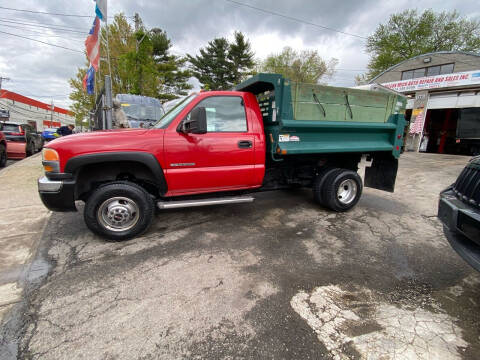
140, 63
82, 102
408, 34
222, 64
171, 70
306, 66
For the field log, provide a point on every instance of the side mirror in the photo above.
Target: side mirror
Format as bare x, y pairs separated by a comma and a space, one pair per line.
196, 123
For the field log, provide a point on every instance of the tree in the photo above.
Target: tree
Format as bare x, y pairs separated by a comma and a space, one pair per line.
140, 63
408, 34
222, 64
173, 76
82, 102
306, 66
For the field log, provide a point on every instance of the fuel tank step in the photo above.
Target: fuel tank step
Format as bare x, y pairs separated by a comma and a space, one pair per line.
204, 202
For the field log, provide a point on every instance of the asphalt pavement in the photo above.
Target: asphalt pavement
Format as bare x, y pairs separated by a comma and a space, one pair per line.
278, 279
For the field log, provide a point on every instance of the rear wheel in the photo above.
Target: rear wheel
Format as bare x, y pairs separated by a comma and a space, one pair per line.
3, 155
342, 190
318, 183
119, 211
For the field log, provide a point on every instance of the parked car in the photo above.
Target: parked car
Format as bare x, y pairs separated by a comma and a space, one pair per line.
48, 134
269, 134
19, 134
3, 150
459, 211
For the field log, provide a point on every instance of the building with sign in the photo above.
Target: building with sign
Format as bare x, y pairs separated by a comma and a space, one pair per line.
444, 100
25, 110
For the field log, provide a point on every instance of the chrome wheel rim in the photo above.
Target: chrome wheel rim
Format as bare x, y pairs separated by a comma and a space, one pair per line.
118, 214
347, 191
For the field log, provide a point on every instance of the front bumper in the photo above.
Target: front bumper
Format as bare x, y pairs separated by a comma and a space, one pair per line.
461, 227
57, 195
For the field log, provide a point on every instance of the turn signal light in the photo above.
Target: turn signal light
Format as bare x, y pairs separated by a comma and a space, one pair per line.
51, 160
50, 155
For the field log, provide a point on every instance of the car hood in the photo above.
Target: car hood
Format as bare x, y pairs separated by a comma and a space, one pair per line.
97, 135
118, 140
475, 160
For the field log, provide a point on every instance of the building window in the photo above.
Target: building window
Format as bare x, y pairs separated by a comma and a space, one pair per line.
406, 75
446, 69
428, 71
433, 70
418, 73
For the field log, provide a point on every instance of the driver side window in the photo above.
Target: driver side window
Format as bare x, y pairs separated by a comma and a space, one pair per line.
225, 114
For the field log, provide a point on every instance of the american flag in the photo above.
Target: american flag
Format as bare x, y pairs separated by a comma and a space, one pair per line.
92, 43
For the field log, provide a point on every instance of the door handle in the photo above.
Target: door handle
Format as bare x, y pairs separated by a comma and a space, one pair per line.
245, 144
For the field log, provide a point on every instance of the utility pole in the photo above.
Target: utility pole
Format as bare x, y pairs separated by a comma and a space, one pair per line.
1, 79
137, 20
108, 105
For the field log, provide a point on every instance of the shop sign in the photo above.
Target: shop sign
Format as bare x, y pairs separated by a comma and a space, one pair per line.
434, 82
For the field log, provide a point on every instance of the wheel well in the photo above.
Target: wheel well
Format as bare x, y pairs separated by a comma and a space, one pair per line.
90, 176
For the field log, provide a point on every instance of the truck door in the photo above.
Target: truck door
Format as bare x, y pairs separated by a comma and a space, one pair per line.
220, 160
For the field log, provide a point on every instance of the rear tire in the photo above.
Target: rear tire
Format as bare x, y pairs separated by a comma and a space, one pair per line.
318, 184
119, 211
342, 190
3, 155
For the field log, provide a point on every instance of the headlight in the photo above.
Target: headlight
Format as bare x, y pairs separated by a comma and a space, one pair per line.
50, 160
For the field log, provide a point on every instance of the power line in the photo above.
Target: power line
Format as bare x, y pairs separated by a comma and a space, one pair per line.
295, 19
46, 13
61, 28
43, 42
38, 33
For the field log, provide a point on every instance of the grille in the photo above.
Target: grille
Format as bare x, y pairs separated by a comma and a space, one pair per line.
467, 186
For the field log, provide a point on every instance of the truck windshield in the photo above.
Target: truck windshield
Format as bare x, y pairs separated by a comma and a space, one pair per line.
173, 112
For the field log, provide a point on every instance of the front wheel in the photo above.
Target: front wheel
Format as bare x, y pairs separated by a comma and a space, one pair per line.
342, 190
119, 211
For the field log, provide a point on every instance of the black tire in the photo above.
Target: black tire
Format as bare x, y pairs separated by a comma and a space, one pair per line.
30, 150
97, 215
318, 183
3, 155
352, 184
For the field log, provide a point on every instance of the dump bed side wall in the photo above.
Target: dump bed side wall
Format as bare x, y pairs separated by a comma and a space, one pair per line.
315, 119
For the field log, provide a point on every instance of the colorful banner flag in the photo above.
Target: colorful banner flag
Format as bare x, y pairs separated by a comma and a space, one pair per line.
101, 9
89, 80
92, 43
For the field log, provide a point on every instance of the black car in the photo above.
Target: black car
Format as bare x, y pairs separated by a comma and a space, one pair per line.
459, 211
23, 133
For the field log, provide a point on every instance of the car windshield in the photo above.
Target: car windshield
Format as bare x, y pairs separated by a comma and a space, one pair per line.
142, 112
173, 112
9, 127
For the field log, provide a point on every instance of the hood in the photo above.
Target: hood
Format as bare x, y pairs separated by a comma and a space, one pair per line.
475, 160
86, 136
118, 140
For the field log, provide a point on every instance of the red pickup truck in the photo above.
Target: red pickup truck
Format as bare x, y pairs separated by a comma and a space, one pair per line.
212, 148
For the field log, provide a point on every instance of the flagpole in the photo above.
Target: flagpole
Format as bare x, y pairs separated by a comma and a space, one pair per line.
108, 49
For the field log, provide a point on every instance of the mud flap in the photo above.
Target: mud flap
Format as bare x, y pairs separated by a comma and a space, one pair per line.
383, 172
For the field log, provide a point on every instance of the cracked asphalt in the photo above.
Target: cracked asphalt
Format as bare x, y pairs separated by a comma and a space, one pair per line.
277, 279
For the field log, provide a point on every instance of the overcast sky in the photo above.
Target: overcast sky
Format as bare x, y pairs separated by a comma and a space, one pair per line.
41, 71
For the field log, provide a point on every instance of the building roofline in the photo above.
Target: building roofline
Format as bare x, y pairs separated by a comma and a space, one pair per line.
421, 55
5, 94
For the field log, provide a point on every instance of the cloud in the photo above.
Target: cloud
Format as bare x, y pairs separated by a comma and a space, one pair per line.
41, 70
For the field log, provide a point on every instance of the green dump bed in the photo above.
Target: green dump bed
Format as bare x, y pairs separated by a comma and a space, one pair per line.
311, 119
